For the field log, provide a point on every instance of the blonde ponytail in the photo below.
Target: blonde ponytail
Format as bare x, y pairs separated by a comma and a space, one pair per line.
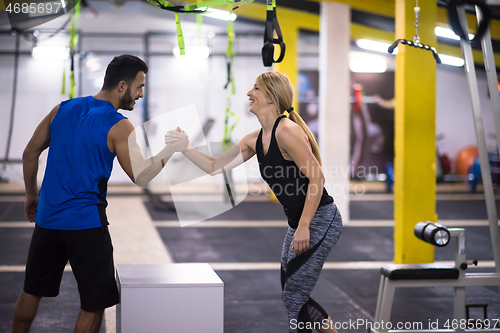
296, 118
279, 89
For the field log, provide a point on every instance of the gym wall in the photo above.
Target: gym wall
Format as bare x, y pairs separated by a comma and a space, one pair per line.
175, 83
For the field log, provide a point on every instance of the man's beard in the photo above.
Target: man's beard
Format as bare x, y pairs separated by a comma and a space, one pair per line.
126, 102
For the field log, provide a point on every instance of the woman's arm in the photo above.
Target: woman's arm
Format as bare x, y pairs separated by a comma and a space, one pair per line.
292, 139
230, 159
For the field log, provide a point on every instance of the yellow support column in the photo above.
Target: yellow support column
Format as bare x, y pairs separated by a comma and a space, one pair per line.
415, 132
290, 32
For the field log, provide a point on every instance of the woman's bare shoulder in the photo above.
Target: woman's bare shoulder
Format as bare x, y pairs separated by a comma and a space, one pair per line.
288, 129
252, 136
249, 140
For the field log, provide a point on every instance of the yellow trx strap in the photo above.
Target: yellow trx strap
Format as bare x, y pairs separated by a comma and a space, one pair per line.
180, 37
199, 22
197, 8
75, 15
228, 130
230, 55
63, 90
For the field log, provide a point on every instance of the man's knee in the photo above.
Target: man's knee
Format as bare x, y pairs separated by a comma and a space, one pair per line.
28, 302
31, 296
25, 312
93, 312
89, 321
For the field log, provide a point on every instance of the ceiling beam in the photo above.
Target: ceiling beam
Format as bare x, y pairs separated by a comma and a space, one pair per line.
359, 31
309, 21
379, 7
387, 8
257, 11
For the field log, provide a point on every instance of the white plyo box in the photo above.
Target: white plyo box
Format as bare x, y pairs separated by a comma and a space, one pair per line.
170, 298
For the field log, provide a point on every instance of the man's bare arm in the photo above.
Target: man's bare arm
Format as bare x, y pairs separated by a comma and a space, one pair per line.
140, 170
38, 143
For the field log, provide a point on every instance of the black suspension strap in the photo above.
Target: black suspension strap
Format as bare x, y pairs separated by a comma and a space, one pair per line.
269, 40
458, 29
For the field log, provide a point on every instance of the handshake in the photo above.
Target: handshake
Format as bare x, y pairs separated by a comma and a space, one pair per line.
178, 139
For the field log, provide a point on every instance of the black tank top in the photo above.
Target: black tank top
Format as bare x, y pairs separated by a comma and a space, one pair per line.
285, 179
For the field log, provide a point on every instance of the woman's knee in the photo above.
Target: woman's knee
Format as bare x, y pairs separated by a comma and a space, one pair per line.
288, 299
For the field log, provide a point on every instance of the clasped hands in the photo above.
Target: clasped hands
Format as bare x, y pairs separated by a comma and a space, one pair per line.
178, 139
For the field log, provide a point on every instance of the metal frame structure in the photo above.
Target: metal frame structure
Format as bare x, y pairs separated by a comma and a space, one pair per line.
387, 286
478, 121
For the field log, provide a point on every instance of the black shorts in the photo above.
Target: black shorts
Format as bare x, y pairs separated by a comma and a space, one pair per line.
90, 254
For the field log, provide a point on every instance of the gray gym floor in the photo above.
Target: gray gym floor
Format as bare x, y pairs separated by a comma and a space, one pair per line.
245, 253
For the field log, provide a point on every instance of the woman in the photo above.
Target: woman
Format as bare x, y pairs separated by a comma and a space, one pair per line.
289, 162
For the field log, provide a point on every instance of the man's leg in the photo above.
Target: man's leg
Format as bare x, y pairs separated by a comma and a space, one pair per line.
89, 322
25, 312
91, 257
44, 270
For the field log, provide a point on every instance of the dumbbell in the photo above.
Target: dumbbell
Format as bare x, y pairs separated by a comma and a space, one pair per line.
432, 233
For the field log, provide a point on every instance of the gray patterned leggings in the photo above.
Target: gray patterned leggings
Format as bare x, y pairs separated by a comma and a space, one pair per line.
299, 274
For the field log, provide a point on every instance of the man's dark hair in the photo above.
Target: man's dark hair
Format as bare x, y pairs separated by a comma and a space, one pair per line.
123, 68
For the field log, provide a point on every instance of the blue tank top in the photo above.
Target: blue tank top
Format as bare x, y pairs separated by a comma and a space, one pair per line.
79, 163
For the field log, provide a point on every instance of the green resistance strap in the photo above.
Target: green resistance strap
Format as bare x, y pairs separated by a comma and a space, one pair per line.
230, 56
228, 130
72, 80
180, 37
63, 90
171, 7
197, 8
75, 16
199, 23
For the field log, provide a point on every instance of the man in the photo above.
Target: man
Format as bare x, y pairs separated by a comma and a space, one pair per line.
84, 135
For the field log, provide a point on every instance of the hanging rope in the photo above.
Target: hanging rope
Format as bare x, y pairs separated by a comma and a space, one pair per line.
14, 97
